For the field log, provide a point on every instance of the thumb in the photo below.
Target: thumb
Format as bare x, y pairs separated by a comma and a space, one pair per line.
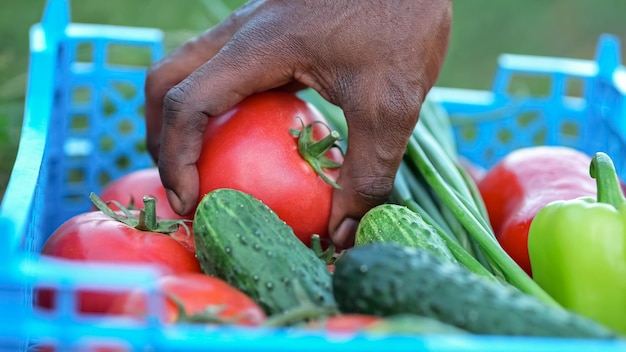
237, 71
377, 137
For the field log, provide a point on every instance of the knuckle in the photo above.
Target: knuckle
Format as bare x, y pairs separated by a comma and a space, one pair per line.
373, 190
175, 100
399, 99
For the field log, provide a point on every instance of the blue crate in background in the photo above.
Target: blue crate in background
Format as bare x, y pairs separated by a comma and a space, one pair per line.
83, 127
579, 104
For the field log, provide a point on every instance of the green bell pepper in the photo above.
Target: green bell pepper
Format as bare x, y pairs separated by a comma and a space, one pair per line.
577, 249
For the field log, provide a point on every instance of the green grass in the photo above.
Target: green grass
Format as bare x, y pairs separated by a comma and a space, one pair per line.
482, 29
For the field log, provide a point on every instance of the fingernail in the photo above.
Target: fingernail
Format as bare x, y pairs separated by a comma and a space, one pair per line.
175, 202
344, 235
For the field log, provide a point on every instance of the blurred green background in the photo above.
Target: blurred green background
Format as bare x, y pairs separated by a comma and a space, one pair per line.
482, 29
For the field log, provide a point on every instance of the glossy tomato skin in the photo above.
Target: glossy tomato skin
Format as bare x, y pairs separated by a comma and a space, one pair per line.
96, 237
196, 291
250, 148
133, 186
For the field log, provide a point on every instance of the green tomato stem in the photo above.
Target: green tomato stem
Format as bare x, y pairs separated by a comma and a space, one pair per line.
314, 151
320, 147
147, 216
147, 219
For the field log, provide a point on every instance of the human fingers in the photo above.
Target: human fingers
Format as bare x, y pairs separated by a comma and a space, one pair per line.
378, 131
246, 65
381, 94
164, 74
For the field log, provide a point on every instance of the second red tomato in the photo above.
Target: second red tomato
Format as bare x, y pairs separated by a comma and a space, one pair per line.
94, 237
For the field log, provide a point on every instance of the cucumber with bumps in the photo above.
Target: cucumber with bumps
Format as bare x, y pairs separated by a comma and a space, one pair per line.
386, 279
242, 241
400, 225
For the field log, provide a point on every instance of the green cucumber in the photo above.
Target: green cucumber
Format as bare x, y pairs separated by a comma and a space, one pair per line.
400, 225
386, 279
242, 241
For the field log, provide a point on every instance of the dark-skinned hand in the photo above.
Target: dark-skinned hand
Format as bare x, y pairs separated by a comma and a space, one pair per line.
375, 59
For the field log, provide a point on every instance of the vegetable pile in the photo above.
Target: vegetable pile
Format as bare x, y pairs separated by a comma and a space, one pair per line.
514, 251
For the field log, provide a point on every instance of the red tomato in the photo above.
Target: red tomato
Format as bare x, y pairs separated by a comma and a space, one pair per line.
196, 292
132, 187
345, 322
96, 237
250, 148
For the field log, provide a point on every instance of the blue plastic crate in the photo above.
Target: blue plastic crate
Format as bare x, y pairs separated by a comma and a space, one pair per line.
80, 98
582, 106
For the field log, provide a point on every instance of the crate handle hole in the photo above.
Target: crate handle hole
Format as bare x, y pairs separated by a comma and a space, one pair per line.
123, 162
125, 127
574, 87
84, 52
106, 144
529, 85
125, 89
104, 178
79, 123
141, 147
128, 55
76, 176
108, 107
81, 95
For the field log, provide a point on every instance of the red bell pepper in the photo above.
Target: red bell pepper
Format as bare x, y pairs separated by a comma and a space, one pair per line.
522, 183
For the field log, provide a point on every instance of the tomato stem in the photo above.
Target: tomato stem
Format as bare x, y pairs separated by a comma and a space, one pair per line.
320, 147
146, 220
327, 256
210, 315
299, 314
306, 310
314, 151
147, 215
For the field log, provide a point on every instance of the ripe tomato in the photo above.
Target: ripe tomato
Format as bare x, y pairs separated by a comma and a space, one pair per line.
132, 187
250, 148
196, 292
345, 322
96, 237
